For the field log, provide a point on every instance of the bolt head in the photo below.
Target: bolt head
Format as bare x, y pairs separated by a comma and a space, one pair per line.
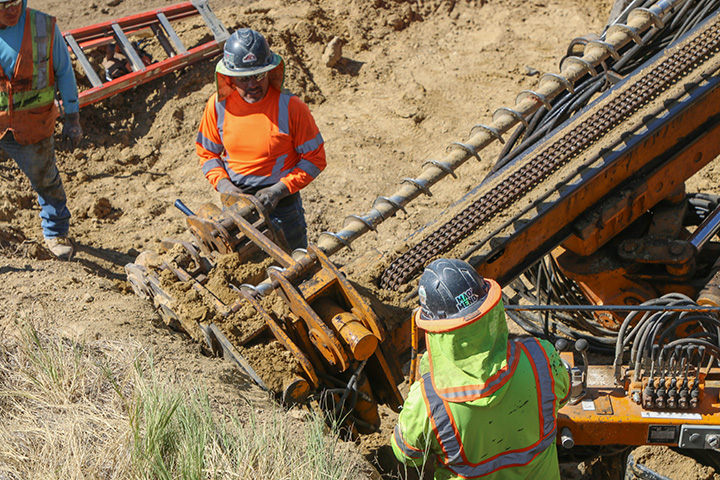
629, 246
677, 249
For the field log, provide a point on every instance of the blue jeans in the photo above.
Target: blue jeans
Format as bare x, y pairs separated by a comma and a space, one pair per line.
290, 215
37, 162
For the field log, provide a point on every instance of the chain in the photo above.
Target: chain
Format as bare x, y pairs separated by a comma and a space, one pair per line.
500, 197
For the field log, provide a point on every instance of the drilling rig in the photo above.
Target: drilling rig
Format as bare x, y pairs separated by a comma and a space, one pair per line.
584, 219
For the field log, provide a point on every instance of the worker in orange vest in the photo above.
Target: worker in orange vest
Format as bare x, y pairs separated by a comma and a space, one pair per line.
34, 61
485, 407
256, 138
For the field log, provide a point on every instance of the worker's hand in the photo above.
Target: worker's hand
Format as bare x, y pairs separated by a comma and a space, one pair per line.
72, 131
226, 186
270, 196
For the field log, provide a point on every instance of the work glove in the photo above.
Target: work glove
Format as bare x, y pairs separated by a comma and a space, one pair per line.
226, 186
270, 196
72, 131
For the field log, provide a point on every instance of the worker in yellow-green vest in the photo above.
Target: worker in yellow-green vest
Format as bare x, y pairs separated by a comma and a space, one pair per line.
485, 407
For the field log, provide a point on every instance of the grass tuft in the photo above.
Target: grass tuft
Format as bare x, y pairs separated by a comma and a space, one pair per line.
76, 410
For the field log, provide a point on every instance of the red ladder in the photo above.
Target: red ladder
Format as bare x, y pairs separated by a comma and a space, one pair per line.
158, 22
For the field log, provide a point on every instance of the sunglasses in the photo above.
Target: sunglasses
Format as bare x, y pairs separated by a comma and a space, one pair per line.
13, 3
247, 79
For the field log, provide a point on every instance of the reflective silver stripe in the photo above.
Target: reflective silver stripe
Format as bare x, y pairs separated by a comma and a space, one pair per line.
405, 448
284, 113
209, 145
42, 53
499, 380
544, 377
259, 180
310, 145
308, 167
442, 417
210, 164
440, 414
220, 112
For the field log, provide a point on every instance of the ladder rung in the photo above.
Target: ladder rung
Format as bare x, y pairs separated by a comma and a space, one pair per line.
177, 43
128, 48
139, 21
158, 22
216, 27
89, 72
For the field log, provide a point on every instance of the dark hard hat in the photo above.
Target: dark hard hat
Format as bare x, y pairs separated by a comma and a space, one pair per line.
451, 289
247, 52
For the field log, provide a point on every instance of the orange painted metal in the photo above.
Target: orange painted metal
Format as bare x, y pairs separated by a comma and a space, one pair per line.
284, 339
358, 305
242, 227
627, 423
697, 126
320, 333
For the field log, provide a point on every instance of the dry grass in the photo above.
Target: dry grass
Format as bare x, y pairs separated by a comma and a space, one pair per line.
73, 410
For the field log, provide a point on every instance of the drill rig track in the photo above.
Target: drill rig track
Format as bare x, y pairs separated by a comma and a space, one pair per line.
690, 57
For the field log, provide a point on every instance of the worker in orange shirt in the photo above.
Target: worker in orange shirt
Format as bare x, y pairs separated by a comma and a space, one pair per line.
255, 138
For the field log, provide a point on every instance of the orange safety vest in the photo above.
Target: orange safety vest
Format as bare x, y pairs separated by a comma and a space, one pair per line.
27, 102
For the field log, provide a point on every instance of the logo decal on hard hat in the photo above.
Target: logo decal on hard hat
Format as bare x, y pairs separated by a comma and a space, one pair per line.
423, 295
465, 299
250, 57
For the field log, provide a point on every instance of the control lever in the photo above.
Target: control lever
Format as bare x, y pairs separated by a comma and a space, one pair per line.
183, 208
578, 375
582, 346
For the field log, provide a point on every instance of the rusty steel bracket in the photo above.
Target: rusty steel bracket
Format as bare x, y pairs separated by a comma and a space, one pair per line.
212, 235
210, 211
218, 342
306, 301
283, 338
678, 255
359, 306
320, 334
243, 227
245, 205
277, 253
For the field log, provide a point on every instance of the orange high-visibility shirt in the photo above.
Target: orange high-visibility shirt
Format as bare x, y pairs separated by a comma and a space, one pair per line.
260, 144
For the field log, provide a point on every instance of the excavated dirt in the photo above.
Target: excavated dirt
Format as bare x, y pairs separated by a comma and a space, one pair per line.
411, 77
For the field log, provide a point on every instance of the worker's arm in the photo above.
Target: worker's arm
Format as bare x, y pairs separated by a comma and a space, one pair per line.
561, 377
308, 143
411, 438
65, 76
67, 87
209, 147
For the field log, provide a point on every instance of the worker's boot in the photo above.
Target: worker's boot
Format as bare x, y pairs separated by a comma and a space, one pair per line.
62, 247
